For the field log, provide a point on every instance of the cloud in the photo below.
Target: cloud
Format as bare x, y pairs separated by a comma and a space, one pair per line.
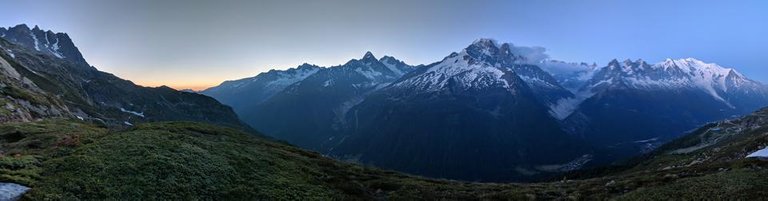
538, 56
533, 55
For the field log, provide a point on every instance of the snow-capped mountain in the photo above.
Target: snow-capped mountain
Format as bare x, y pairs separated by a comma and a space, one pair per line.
486, 63
47, 42
507, 107
254, 90
374, 70
315, 106
689, 74
483, 105
679, 73
634, 101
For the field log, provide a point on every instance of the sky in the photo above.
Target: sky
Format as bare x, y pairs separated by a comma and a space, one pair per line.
197, 44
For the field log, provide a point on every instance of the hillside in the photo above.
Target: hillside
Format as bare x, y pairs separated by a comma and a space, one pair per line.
57, 82
70, 160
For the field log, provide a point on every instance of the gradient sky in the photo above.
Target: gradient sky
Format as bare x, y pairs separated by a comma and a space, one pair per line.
196, 44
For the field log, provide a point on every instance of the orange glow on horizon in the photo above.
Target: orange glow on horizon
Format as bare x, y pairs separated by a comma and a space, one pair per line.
179, 86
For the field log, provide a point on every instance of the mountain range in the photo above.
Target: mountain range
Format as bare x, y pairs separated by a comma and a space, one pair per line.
490, 112
58, 141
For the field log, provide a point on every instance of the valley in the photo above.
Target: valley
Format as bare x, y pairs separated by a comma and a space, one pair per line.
490, 122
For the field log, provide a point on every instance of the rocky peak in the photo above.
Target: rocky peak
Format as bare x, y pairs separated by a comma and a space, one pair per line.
306, 66
491, 52
389, 59
368, 57
483, 49
44, 41
483, 43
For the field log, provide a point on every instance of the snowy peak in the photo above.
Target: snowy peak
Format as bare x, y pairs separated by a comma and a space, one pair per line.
487, 63
488, 42
277, 79
670, 71
377, 71
504, 54
688, 73
483, 47
463, 70
54, 44
491, 52
691, 65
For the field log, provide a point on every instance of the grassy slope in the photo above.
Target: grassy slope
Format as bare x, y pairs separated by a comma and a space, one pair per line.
65, 160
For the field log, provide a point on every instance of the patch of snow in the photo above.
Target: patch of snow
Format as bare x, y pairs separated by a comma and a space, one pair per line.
538, 82
127, 123
80, 118
10, 53
47, 42
12, 191
55, 48
341, 111
328, 83
566, 106
647, 140
141, 114
37, 43
370, 74
575, 164
290, 77
393, 68
763, 153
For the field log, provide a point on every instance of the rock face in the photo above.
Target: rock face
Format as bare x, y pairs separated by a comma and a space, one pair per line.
12, 191
21, 99
63, 84
47, 42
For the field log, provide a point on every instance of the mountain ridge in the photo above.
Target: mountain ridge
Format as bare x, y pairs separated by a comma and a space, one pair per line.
93, 95
485, 80
54, 44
